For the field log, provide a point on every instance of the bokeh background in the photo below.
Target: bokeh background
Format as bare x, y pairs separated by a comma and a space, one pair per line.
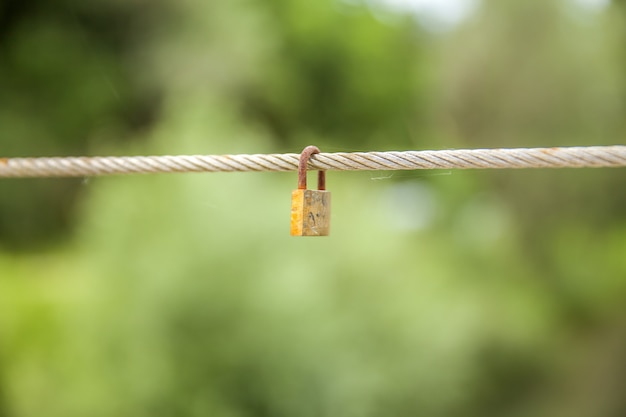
439, 293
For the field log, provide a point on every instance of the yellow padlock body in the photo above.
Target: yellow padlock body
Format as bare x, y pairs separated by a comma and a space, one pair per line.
310, 213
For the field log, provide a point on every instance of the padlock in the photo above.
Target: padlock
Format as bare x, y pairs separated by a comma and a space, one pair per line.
310, 209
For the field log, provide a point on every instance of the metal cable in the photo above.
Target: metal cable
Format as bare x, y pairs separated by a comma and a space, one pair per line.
572, 157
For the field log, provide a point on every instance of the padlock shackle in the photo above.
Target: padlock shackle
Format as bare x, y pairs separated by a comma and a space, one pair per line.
302, 168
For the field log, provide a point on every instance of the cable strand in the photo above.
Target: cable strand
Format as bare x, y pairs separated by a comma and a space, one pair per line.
569, 157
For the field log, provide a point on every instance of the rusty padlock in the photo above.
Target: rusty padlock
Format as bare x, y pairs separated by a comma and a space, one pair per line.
310, 209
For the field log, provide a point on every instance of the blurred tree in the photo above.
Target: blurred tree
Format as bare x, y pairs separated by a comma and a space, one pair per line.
343, 76
66, 86
533, 73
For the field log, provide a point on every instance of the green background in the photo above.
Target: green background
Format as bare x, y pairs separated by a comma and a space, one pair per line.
438, 293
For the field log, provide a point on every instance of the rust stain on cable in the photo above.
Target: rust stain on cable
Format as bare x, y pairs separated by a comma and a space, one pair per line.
549, 151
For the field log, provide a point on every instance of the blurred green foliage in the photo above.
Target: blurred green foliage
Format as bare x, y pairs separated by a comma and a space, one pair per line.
438, 293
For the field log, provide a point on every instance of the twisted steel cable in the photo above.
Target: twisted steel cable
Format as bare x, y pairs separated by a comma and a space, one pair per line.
570, 157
